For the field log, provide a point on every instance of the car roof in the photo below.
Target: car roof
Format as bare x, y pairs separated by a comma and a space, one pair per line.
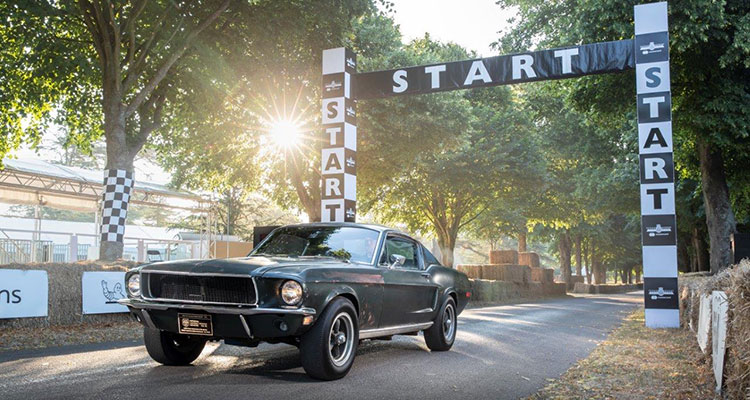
376, 227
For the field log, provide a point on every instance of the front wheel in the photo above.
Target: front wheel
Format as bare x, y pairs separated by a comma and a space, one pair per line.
170, 348
328, 349
441, 335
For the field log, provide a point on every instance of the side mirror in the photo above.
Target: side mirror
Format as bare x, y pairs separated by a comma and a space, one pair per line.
397, 261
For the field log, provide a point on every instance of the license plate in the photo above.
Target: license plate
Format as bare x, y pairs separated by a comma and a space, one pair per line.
195, 324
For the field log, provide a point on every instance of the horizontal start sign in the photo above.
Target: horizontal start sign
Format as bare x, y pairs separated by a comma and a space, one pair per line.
23, 293
569, 62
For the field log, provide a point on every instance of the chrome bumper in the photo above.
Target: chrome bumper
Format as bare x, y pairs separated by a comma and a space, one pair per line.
150, 305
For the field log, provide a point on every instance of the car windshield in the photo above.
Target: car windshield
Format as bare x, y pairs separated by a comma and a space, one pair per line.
347, 243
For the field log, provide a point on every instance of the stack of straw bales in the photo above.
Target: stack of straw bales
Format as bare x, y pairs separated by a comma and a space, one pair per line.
735, 282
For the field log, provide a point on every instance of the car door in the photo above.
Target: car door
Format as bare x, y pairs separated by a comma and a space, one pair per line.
409, 295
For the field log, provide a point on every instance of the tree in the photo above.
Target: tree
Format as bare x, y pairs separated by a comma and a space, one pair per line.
437, 162
123, 69
282, 86
710, 44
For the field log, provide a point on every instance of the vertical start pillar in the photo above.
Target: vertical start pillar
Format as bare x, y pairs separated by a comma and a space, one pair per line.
339, 150
658, 220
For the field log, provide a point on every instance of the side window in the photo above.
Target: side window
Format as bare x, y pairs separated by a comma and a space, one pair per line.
403, 247
429, 259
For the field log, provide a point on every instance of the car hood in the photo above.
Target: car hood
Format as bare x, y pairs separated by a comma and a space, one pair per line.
254, 266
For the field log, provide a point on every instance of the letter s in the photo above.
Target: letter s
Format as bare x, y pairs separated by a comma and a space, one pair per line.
17, 295
332, 110
653, 76
399, 80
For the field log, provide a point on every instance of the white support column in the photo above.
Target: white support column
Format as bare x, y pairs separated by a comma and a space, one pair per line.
658, 220
73, 249
141, 251
339, 153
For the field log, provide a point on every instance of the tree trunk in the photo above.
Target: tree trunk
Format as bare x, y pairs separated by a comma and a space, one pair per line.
447, 243
564, 246
600, 274
118, 175
578, 243
701, 255
522, 233
719, 216
587, 258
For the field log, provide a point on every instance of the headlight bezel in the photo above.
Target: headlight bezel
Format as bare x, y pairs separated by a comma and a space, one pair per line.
291, 287
134, 281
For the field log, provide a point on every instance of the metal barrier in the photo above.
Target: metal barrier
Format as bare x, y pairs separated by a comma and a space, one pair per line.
21, 251
68, 248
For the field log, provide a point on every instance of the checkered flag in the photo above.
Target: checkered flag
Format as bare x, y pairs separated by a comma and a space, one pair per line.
118, 184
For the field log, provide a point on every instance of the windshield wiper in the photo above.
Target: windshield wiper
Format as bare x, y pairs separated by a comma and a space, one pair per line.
327, 257
273, 255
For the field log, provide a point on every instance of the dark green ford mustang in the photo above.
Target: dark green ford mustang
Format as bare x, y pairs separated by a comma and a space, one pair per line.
322, 287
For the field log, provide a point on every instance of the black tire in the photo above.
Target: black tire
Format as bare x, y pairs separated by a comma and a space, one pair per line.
441, 335
321, 357
170, 348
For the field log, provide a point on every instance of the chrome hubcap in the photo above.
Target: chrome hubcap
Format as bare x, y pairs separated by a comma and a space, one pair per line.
340, 344
449, 322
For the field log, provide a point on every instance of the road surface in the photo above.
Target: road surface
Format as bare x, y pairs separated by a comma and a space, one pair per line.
501, 352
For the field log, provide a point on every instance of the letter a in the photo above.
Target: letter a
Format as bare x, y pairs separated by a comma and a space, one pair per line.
655, 137
477, 71
333, 162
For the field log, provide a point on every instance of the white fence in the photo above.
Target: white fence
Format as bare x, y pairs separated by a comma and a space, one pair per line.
66, 247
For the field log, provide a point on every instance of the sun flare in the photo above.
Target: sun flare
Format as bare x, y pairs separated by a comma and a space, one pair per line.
285, 133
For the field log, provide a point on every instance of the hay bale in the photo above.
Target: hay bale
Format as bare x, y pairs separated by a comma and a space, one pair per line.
503, 257
473, 271
535, 290
583, 288
737, 367
507, 272
557, 289
549, 275
530, 259
65, 303
537, 274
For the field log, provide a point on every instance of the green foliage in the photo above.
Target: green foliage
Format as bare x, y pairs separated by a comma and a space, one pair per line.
709, 57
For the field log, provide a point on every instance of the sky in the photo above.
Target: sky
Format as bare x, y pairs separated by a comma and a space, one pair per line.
473, 24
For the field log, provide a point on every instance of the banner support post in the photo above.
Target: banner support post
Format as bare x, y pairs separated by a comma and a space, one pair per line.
339, 142
658, 219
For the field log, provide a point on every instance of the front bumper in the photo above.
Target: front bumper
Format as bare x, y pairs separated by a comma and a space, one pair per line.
228, 322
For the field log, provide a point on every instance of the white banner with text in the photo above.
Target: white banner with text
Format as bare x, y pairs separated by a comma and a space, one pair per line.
23, 294
101, 290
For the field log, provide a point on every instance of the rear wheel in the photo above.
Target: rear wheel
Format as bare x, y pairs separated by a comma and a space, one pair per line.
172, 349
441, 335
328, 349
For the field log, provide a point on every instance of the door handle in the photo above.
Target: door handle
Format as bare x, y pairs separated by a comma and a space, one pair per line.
426, 275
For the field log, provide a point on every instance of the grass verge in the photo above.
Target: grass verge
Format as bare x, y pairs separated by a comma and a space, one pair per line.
636, 362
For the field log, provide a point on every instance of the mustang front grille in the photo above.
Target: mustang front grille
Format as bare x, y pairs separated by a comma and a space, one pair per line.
201, 288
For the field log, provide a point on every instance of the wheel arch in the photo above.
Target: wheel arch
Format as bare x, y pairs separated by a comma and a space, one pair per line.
345, 292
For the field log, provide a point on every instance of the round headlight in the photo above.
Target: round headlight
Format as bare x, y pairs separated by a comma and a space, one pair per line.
291, 292
134, 285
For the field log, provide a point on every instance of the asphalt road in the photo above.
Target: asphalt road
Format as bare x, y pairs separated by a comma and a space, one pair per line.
501, 352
